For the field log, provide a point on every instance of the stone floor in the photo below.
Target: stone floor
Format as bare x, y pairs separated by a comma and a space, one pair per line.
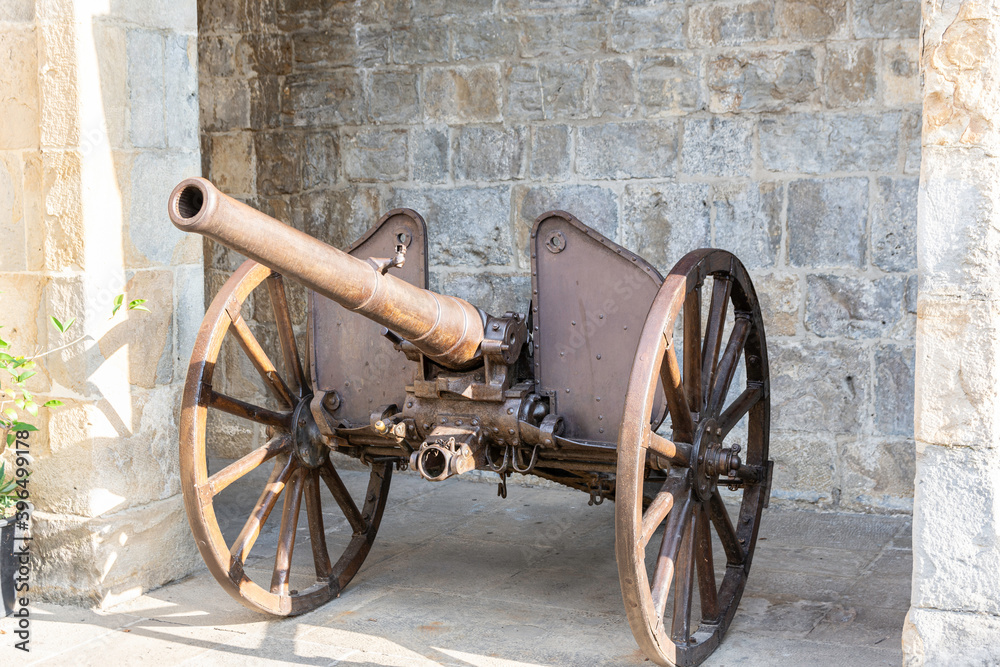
460, 577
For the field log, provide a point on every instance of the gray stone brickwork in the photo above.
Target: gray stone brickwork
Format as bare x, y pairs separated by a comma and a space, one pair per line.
787, 132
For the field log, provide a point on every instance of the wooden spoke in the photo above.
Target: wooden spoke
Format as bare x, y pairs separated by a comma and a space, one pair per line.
680, 413
721, 287
343, 498
664, 501
317, 535
727, 534
684, 586
734, 413
663, 575
248, 411
727, 366
258, 357
286, 334
286, 535
667, 449
251, 529
707, 591
692, 348
232, 472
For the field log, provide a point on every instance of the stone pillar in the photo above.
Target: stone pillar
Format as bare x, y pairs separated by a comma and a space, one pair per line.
98, 120
955, 611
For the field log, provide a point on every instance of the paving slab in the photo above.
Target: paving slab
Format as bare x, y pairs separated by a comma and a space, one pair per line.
458, 576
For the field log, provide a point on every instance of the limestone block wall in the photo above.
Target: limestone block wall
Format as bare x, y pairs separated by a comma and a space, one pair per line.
955, 602
786, 131
98, 118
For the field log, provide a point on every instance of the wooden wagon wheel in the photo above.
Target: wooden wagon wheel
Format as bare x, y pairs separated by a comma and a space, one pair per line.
300, 461
696, 457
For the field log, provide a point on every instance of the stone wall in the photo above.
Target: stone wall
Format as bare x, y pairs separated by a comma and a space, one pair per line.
787, 132
98, 119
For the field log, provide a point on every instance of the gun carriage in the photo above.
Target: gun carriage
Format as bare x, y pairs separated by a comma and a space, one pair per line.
617, 382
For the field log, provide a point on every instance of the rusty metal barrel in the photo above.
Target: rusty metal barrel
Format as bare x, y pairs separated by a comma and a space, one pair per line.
447, 329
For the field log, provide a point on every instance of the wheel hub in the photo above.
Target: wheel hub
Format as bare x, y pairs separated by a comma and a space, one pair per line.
710, 459
310, 449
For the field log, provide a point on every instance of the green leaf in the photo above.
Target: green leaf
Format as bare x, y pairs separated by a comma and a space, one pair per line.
11, 412
6, 358
27, 395
54, 403
10, 438
10, 392
117, 304
4, 343
25, 375
136, 304
19, 403
57, 324
23, 426
32, 408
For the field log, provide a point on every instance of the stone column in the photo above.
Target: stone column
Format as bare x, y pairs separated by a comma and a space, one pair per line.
955, 610
98, 120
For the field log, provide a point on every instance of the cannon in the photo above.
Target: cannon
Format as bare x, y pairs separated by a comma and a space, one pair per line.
618, 382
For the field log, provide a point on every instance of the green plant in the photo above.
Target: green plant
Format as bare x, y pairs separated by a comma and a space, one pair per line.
18, 407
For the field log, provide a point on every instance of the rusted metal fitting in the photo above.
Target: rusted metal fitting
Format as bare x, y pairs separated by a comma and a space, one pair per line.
448, 451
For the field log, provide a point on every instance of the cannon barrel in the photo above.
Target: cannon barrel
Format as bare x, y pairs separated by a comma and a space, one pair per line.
447, 329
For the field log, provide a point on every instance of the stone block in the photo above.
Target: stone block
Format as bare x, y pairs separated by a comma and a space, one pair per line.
911, 130
166, 15
188, 310
279, 162
59, 124
429, 149
849, 74
780, 297
18, 11
231, 159
265, 102
375, 154
854, 307
151, 236
805, 467
559, 35
550, 152
938, 637
466, 226
818, 387
956, 231
877, 475
614, 88
956, 536
224, 104
462, 94
24, 323
663, 222
595, 206
651, 27
894, 224
547, 91
670, 83
488, 38
147, 103
264, 54
813, 19
900, 72
887, 18
959, 349
762, 81
894, 372
394, 97
12, 220
340, 216
724, 24
823, 143
717, 146
453, 7
333, 47
151, 363
180, 91
490, 153
323, 99
141, 548
493, 292
112, 68
827, 221
748, 220
320, 159
419, 43
52, 179
646, 149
